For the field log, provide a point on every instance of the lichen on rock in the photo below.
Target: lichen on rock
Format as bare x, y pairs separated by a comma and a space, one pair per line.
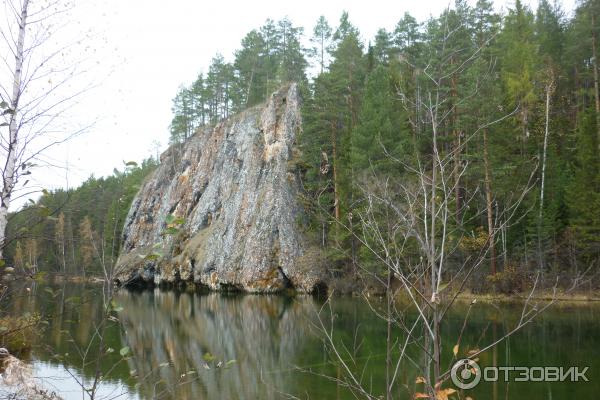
236, 201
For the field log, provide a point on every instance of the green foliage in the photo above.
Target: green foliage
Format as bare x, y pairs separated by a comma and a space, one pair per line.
322, 40
269, 57
362, 126
93, 216
17, 334
583, 193
381, 134
124, 352
365, 122
510, 280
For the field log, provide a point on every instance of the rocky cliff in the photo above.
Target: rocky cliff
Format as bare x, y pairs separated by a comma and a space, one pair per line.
222, 209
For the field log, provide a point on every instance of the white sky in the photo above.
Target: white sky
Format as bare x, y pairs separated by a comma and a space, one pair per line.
154, 46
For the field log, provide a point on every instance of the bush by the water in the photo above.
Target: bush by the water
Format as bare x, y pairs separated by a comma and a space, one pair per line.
18, 333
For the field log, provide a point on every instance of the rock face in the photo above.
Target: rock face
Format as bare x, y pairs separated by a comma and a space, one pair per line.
222, 209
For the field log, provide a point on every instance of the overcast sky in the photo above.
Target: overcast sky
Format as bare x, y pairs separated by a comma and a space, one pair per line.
151, 47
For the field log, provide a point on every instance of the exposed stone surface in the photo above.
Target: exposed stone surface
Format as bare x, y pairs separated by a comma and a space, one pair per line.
236, 201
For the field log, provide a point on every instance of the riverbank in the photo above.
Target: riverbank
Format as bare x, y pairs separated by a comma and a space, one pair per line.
578, 296
53, 278
560, 296
543, 295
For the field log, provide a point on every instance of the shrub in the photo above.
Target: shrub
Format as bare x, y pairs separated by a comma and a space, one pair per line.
18, 333
510, 280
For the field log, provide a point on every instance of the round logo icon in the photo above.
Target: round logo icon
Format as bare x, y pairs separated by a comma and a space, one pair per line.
465, 374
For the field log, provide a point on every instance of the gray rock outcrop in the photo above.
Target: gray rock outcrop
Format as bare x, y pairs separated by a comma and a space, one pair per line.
222, 209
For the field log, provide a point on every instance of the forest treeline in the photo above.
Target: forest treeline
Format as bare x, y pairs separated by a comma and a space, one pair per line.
509, 101
75, 231
519, 99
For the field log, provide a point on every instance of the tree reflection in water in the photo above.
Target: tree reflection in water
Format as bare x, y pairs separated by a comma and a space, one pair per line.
261, 333
170, 333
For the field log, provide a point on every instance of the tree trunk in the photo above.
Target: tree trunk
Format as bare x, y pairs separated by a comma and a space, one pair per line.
388, 342
437, 345
595, 68
336, 200
322, 51
456, 150
432, 213
72, 241
546, 134
488, 201
8, 178
435, 279
249, 86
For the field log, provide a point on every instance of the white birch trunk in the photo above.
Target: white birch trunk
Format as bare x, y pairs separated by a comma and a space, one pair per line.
8, 178
546, 134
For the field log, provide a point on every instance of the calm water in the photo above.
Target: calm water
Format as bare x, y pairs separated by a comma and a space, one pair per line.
274, 348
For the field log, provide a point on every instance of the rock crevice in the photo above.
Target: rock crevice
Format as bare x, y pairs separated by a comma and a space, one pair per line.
235, 206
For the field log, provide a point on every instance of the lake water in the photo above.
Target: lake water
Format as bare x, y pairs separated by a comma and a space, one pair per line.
271, 347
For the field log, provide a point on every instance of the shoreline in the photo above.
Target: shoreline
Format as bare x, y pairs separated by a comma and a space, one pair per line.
545, 295
577, 297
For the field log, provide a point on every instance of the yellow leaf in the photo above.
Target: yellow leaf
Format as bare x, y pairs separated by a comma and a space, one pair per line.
468, 398
420, 379
444, 393
473, 351
455, 350
421, 396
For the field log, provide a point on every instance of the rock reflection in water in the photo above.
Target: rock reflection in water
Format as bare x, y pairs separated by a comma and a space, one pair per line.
262, 333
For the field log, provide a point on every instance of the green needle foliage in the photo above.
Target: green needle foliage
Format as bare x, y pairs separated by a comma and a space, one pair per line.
517, 104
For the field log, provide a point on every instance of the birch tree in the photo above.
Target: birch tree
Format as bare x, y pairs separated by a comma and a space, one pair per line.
37, 77
9, 173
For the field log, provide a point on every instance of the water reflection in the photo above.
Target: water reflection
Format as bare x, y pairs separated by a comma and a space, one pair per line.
170, 334
263, 334
70, 313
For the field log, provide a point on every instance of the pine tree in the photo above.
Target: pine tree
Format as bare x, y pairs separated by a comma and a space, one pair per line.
380, 135
485, 25
271, 39
407, 34
290, 53
251, 69
344, 29
182, 124
382, 49
219, 87
348, 71
518, 63
583, 196
321, 39
198, 108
